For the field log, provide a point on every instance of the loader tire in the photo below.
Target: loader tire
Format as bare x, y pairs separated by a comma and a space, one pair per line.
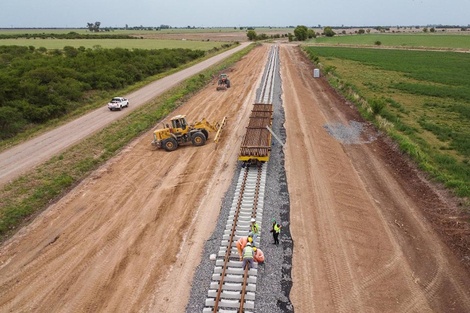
206, 133
198, 139
170, 144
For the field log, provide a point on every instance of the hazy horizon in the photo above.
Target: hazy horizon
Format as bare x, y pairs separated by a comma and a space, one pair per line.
243, 13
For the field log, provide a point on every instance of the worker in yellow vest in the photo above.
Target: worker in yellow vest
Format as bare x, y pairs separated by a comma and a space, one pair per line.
248, 255
254, 230
276, 230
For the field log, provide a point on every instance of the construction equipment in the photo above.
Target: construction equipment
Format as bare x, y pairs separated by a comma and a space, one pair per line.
223, 82
181, 132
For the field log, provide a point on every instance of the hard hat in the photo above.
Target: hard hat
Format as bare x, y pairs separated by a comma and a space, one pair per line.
253, 220
250, 239
254, 248
249, 244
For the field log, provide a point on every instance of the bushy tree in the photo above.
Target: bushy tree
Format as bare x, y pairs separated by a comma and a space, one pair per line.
301, 32
328, 31
11, 122
94, 27
311, 34
251, 34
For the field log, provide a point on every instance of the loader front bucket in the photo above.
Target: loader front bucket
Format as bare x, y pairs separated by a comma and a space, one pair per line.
220, 126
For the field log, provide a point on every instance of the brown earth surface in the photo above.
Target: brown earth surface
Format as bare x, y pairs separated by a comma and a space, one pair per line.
370, 235
215, 36
365, 226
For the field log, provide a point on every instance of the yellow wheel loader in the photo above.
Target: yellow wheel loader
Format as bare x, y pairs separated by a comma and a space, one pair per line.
181, 132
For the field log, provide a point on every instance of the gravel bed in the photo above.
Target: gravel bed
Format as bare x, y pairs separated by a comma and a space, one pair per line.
349, 134
274, 277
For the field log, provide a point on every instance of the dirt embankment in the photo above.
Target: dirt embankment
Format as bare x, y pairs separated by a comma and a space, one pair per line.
360, 215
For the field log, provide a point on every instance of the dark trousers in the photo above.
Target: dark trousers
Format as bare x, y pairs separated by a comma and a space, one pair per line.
276, 237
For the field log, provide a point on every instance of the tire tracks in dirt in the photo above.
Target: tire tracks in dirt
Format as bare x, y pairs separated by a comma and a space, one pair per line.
343, 199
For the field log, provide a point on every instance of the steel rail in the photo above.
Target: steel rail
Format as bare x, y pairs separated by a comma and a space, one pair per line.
233, 287
247, 204
232, 235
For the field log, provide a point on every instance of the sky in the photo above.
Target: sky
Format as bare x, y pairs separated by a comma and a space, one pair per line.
238, 13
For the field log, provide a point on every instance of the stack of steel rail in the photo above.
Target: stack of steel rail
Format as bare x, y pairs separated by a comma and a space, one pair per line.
256, 144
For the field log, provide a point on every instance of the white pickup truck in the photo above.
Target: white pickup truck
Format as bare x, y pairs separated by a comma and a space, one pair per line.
117, 103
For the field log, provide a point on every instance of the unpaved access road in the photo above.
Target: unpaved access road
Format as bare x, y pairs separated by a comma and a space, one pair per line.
20, 158
128, 238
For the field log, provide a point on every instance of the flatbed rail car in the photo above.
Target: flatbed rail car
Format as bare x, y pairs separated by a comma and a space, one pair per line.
256, 145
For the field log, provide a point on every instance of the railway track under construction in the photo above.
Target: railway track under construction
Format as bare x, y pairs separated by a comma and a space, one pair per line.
233, 288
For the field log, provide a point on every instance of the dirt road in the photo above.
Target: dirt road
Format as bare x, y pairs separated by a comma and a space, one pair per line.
19, 159
128, 238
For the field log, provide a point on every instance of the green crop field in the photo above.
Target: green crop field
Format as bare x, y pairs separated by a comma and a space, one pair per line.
421, 98
113, 43
13, 31
461, 41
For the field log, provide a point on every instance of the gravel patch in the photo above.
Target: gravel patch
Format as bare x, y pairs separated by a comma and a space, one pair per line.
354, 133
274, 277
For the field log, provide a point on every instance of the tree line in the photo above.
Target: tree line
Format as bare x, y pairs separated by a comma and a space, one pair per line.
69, 35
301, 33
37, 85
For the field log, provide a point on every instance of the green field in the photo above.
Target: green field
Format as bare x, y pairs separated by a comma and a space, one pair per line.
113, 43
421, 98
449, 41
139, 32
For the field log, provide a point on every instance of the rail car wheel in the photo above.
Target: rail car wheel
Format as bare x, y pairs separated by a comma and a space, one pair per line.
170, 144
198, 139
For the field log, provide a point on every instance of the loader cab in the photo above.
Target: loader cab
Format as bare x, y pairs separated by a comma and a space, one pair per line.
179, 121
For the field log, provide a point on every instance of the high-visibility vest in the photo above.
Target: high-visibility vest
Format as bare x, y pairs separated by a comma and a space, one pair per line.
254, 228
277, 229
248, 252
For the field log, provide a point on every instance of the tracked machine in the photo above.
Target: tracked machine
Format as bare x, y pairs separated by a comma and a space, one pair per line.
180, 132
223, 82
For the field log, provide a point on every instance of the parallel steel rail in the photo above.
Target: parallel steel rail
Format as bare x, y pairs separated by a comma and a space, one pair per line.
256, 144
233, 288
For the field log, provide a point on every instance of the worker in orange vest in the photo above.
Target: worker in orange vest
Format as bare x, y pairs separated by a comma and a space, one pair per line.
259, 255
241, 243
